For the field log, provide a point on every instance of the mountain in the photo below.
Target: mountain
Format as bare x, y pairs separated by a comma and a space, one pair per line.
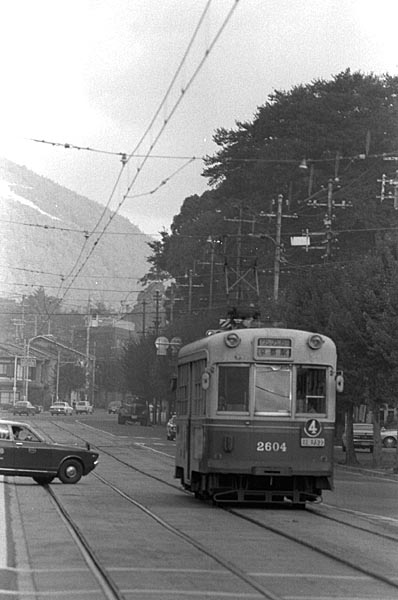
46, 239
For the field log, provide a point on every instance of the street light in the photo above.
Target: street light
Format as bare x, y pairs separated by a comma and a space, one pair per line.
163, 345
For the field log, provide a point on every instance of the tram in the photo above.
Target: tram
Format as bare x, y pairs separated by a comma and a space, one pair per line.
255, 416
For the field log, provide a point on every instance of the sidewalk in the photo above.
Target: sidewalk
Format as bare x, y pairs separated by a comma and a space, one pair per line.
365, 460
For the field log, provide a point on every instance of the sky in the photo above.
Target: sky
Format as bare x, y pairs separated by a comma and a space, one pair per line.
92, 75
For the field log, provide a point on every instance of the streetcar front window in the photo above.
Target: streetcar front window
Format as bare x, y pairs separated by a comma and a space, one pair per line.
311, 390
233, 388
272, 390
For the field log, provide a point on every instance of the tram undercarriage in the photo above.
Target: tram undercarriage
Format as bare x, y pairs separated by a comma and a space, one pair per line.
268, 489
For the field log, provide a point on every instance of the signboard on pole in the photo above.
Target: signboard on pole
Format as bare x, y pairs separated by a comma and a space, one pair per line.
28, 362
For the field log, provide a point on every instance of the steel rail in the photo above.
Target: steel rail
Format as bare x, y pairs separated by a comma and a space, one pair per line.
105, 581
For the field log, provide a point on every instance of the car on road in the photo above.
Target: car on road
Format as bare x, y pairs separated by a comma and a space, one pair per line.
171, 428
389, 437
113, 407
83, 407
25, 452
61, 408
363, 437
23, 407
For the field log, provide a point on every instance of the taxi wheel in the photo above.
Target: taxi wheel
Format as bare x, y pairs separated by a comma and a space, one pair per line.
70, 471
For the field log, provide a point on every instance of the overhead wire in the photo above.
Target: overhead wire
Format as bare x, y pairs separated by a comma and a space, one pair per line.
89, 234
125, 160
165, 122
292, 161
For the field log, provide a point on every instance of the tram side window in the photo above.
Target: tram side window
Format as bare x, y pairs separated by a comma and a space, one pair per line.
198, 393
182, 389
233, 388
311, 390
272, 391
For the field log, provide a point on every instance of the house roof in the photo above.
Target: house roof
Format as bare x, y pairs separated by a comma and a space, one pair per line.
7, 349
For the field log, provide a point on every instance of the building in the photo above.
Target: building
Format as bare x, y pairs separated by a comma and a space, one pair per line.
22, 375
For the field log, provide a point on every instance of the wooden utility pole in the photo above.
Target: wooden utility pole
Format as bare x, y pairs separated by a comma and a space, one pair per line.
277, 241
240, 273
277, 262
143, 317
157, 320
87, 371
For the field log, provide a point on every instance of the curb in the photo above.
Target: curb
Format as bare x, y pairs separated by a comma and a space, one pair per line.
370, 472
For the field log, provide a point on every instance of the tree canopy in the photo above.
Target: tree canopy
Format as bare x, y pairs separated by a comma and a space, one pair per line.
324, 147
342, 131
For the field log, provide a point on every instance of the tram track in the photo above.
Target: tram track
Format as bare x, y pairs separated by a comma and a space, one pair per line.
233, 569
243, 515
107, 585
324, 552
112, 592
349, 513
312, 508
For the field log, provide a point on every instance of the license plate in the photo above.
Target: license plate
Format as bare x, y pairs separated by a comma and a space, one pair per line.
313, 442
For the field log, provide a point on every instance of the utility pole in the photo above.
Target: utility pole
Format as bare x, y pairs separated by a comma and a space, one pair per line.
278, 246
93, 374
327, 234
211, 263
143, 317
241, 274
190, 285
385, 194
173, 300
328, 220
277, 262
211, 276
87, 371
157, 320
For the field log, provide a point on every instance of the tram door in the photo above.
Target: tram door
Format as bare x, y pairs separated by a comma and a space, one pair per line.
196, 408
184, 417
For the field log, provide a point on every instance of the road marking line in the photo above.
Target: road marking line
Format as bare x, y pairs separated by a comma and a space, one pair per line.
361, 514
143, 445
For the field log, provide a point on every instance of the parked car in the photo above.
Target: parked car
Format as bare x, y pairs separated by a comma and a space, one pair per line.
171, 428
113, 407
27, 453
389, 437
364, 438
83, 407
61, 408
23, 407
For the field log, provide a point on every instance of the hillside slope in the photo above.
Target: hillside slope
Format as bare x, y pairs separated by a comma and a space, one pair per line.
44, 237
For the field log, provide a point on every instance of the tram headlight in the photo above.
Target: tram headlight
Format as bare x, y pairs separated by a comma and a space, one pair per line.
232, 340
315, 341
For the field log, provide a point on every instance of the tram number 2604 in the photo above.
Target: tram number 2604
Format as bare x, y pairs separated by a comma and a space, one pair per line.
271, 447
